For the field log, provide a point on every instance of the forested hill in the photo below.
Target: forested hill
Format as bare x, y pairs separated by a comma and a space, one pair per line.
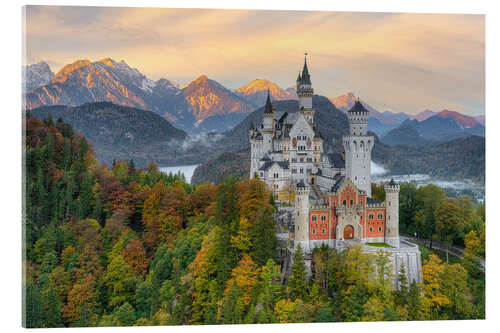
113, 124
119, 132
457, 159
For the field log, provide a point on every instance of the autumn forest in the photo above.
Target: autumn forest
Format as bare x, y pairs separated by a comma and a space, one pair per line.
124, 246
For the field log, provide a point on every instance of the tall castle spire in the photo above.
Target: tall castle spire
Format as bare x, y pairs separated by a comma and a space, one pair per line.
305, 92
306, 79
268, 109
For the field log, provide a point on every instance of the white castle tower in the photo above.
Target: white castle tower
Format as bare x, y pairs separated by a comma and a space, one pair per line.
302, 216
358, 148
305, 92
392, 213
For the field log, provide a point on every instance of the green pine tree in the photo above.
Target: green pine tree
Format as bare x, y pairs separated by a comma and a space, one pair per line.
298, 285
126, 315
32, 306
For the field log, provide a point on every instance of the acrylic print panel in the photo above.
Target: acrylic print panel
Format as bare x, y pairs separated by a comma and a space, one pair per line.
199, 166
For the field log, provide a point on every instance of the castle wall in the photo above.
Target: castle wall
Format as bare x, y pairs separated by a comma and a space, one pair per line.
375, 222
319, 225
407, 254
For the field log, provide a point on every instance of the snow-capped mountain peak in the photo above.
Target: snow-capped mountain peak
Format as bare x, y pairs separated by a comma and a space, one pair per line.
36, 75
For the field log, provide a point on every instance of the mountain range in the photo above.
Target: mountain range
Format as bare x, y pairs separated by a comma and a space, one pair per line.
437, 127
188, 108
378, 122
203, 105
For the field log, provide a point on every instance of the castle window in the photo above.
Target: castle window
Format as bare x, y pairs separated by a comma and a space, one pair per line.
301, 159
370, 216
276, 175
313, 218
379, 228
314, 231
323, 231
301, 170
323, 218
350, 203
380, 216
261, 174
294, 171
371, 229
344, 202
294, 159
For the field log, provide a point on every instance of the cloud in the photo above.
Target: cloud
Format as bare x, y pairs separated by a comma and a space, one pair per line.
378, 170
197, 140
402, 62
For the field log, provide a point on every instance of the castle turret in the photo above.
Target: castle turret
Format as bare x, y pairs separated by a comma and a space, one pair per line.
305, 92
268, 122
392, 213
302, 216
358, 148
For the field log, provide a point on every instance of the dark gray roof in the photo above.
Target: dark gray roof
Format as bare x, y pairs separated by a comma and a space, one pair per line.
358, 107
268, 108
306, 79
269, 164
317, 133
301, 184
371, 201
338, 183
392, 183
336, 159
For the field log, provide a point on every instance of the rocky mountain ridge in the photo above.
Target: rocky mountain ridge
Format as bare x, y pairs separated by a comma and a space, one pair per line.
36, 75
187, 108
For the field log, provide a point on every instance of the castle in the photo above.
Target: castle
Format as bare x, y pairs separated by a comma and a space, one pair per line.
333, 203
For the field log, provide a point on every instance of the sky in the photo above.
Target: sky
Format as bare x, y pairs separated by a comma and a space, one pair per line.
393, 61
